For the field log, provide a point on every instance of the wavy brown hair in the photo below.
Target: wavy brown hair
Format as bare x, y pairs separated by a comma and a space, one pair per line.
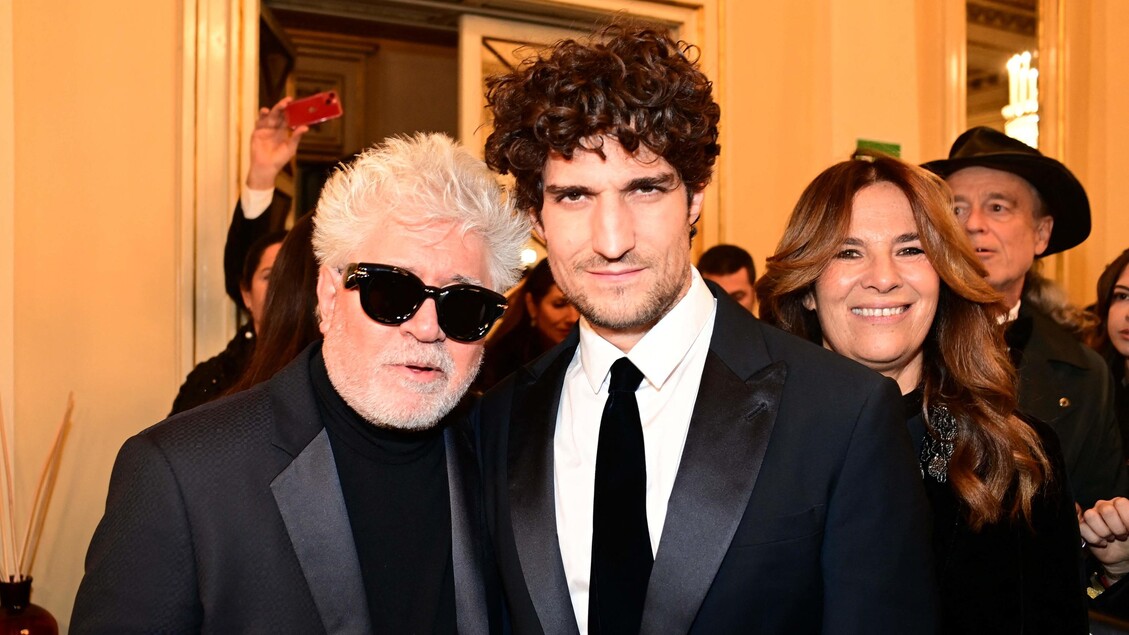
630, 82
289, 320
1099, 335
998, 464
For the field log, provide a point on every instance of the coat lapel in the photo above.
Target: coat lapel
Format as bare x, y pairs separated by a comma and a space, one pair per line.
733, 418
467, 542
531, 494
308, 494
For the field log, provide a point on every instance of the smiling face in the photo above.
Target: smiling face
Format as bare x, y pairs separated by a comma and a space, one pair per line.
877, 298
1117, 323
409, 375
997, 210
617, 231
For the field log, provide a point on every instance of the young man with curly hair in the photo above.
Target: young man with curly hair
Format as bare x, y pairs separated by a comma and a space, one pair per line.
676, 466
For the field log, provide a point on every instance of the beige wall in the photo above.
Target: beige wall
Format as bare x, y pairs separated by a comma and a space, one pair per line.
1096, 104
95, 95
803, 81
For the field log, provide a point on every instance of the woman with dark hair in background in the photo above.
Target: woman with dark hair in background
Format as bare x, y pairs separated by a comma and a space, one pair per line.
1106, 526
215, 376
539, 318
289, 321
1110, 337
874, 266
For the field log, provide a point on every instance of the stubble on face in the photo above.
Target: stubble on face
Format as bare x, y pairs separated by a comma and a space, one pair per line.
617, 227
621, 308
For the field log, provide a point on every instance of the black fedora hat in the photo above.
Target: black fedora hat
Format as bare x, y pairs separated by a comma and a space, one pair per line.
1063, 196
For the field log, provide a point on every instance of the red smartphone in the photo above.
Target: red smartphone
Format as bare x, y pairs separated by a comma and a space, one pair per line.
313, 109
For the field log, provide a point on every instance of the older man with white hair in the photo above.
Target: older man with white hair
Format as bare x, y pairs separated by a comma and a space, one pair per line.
335, 497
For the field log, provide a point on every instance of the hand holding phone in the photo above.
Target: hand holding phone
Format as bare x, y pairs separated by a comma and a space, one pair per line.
313, 109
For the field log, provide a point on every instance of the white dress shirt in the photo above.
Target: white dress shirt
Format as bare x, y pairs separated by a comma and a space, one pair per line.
671, 357
1012, 314
254, 202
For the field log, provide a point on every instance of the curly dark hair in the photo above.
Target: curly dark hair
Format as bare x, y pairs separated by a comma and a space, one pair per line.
630, 82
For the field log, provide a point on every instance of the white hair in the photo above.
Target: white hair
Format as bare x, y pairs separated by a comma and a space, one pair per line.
433, 179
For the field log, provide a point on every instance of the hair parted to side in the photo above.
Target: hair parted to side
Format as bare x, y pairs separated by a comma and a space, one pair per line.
419, 179
289, 320
1099, 333
723, 260
999, 464
255, 256
630, 82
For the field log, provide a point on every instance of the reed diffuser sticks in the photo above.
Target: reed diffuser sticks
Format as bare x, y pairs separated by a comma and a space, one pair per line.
16, 559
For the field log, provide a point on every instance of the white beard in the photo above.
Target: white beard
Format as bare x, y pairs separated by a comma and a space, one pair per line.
367, 385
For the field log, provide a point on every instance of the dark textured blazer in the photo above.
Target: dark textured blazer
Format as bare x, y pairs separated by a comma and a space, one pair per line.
1069, 386
797, 508
230, 519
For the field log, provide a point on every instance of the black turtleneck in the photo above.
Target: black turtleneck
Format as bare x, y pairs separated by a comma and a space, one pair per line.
396, 492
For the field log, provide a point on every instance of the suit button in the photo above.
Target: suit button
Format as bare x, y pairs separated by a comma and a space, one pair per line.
1063, 402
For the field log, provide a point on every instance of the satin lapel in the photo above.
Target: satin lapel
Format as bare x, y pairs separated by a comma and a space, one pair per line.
308, 494
532, 499
729, 432
466, 540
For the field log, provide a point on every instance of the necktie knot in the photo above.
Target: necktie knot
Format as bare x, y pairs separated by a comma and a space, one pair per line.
625, 376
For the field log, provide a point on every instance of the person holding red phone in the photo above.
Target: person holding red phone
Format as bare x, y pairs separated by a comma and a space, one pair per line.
312, 110
256, 230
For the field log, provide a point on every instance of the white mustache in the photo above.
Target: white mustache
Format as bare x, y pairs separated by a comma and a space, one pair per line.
418, 354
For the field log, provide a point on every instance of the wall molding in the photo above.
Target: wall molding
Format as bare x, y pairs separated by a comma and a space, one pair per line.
7, 222
219, 101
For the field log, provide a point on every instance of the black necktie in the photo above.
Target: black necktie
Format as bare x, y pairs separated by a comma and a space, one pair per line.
621, 544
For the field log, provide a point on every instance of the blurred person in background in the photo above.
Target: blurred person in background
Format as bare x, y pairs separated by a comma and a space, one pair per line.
732, 268
1017, 206
542, 318
1110, 337
289, 321
253, 240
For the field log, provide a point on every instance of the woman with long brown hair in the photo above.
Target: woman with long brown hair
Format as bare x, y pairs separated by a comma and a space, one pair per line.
289, 321
1110, 336
874, 266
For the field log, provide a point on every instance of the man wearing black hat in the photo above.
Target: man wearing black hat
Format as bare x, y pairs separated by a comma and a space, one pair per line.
1016, 206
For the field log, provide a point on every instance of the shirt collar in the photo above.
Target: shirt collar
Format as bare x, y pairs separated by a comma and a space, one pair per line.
1012, 314
661, 349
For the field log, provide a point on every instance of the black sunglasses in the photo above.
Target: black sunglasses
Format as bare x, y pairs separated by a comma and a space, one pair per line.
390, 295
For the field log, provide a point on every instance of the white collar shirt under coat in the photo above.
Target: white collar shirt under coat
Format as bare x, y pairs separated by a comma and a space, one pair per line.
671, 357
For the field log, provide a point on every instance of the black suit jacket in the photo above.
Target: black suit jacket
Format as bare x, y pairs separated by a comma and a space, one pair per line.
1070, 387
230, 519
797, 507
